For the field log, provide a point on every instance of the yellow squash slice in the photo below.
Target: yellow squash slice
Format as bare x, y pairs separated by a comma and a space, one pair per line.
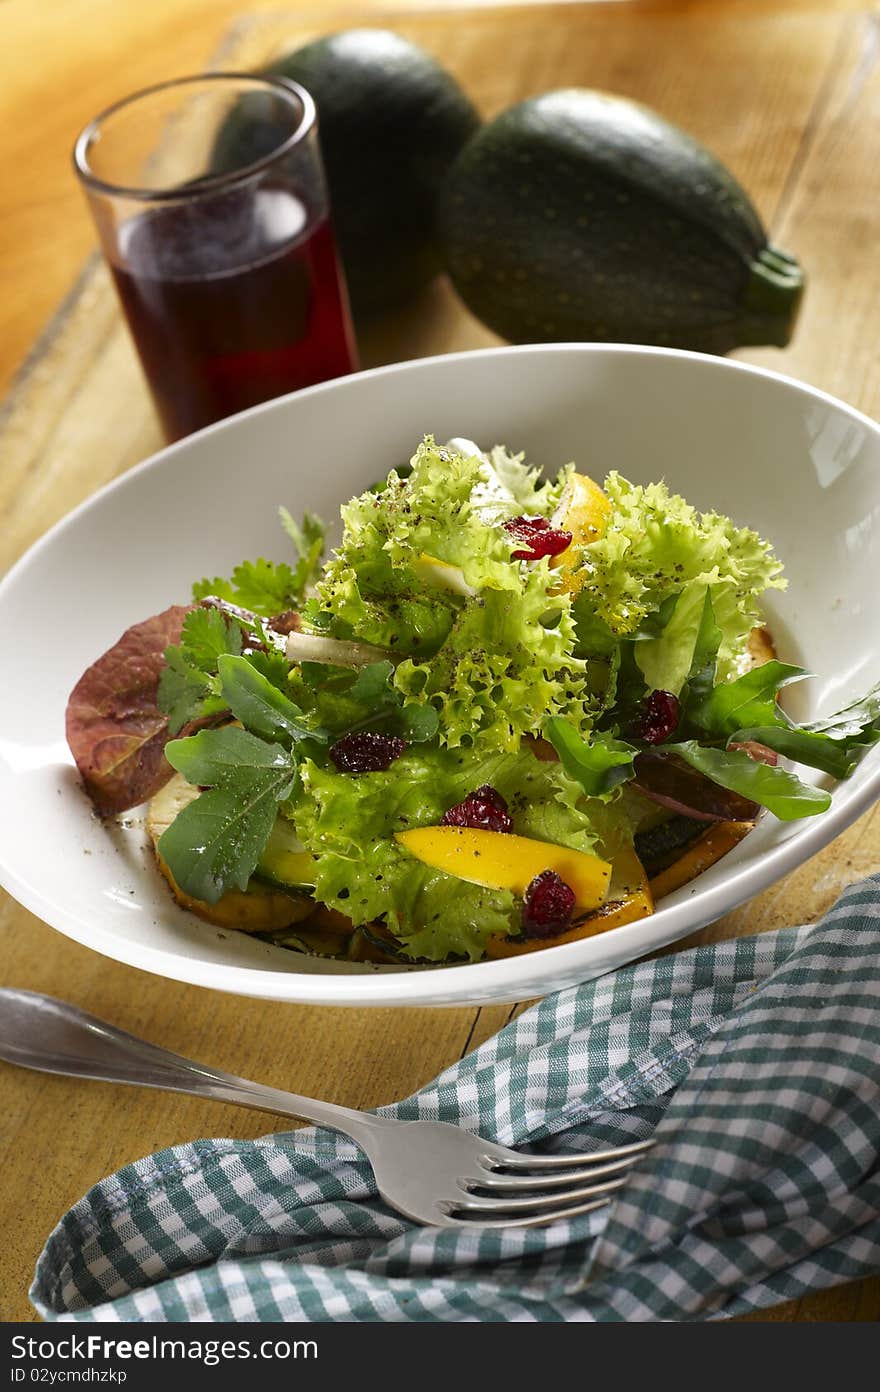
583, 510
629, 898
699, 855
501, 861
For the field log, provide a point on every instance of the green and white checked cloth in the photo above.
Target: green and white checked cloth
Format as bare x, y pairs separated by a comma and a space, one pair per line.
755, 1062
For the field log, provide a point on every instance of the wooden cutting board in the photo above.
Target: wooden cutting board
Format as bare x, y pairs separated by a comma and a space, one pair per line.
788, 94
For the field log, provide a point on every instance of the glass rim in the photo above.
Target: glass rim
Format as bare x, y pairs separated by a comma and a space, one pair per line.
284, 86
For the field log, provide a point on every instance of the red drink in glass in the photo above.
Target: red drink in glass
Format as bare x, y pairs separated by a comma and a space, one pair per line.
225, 317
226, 269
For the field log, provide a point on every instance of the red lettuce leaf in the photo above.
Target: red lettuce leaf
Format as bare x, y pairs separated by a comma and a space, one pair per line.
115, 730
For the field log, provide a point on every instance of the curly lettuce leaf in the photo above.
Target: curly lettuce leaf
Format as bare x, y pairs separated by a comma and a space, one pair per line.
532, 493
370, 585
348, 823
506, 665
656, 545
494, 664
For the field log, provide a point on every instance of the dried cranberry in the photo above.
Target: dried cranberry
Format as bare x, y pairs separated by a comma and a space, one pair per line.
548, 906
366, 752
537, 537
660, 716
484, 807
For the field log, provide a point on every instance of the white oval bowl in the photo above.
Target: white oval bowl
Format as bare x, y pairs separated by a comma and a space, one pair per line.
795, 464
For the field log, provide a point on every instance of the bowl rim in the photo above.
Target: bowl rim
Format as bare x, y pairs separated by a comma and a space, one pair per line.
508, 978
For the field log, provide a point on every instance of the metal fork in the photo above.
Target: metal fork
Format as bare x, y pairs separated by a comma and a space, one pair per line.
431, 1171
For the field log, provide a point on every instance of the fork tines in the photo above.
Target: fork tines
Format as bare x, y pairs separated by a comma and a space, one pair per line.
528, 1190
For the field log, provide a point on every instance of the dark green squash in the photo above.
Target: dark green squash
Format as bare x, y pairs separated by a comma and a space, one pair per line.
581, 216
391, 121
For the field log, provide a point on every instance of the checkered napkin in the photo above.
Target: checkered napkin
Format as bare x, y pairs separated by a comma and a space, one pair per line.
756, 1063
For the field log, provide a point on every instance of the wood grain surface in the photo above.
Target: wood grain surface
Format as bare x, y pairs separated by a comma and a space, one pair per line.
787, 92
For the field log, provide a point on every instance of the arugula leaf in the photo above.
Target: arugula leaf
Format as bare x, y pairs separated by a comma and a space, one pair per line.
774, 788
747, 709
260, 706
858, 722
599, 764
188, 688
750, 700
804, 747
834, 744
214, 843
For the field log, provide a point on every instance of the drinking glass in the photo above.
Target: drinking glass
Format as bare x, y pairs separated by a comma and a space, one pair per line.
210, 201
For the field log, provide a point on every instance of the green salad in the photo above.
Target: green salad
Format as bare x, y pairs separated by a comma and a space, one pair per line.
491, 720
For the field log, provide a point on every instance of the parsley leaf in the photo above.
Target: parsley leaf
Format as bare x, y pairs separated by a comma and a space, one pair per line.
264, 587
188, 687
270, 587
747, 701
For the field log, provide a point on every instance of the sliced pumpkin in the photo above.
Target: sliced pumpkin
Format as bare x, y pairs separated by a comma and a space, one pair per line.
705, 851
361, 948
583, 510
501, 861
629, 899
258, 909
760, 648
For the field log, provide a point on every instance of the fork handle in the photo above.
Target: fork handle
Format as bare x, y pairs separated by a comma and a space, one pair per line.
52, 1036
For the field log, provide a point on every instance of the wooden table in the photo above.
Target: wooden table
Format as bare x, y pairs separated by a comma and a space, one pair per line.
786, 91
